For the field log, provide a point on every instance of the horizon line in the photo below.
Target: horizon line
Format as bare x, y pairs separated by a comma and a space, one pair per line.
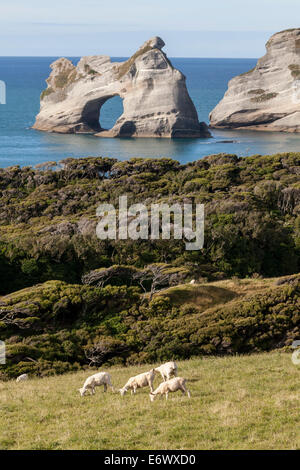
118, 57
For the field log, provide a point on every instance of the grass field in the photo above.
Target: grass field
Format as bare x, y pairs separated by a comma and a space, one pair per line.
246, 402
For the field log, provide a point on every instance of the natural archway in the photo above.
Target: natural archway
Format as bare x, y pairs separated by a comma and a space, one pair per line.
102, 113
110, 112
156, 101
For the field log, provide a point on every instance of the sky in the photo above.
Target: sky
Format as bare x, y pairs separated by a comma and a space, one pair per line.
190, 28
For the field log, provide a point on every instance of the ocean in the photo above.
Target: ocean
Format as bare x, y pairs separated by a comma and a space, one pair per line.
207, 81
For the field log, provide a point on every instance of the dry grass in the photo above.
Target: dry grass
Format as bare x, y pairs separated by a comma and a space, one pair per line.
201, 296
211, 294
248, 402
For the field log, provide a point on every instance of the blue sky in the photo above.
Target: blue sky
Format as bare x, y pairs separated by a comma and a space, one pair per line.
190, 28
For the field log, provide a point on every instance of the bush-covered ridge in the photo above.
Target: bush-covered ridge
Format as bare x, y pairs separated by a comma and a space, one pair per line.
70, 300
56, 327
47, 224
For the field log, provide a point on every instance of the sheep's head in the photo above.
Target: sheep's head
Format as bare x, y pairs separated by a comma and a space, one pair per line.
82, 391
152, 396
122, 391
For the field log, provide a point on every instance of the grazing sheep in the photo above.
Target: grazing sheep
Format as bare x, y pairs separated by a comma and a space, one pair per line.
166, 370
22, 377
193, 281
139, 381
101, 378
177, 383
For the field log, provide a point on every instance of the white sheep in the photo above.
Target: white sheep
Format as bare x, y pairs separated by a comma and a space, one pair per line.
193, 281
167, 370
139, 381
173, 385
22, 377
101, 378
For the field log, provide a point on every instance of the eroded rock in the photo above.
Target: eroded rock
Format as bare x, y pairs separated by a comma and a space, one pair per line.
267, 97
155, 98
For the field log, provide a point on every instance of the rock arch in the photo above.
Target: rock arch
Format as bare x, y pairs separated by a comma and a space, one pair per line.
155, 98
110, 112
91, 112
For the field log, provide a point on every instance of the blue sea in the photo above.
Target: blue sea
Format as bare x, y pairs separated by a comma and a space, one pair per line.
207, 81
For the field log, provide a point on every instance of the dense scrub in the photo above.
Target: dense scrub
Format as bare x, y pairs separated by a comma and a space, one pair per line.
48, 218
71, 300
56, 327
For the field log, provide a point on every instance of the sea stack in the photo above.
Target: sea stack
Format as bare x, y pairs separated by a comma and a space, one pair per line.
268, 97
155, 98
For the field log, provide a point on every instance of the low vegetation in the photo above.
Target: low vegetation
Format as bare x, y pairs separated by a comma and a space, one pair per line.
70, 299
295, 70
256, 91
57, 327
46, 92
124, 67
240, 402
264, 97
48, 218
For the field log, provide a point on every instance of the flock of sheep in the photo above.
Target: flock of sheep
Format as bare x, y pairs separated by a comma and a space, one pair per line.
142, 380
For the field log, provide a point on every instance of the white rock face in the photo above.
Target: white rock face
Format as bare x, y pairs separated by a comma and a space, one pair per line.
267, 97
155, 98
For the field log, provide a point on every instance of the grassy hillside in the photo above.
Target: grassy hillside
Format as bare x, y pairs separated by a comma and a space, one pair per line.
246, 402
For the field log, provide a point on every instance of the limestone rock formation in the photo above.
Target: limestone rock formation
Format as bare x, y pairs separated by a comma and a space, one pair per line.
155, 98
267, 97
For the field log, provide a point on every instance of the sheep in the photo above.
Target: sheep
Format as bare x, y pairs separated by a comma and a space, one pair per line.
139, 381
166, 370
22, 377
101, 378
193, 281
172, 385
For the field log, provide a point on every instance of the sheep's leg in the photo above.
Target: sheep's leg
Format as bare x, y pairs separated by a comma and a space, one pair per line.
111, 386
163, 376
150, 383
131, 392
167, 394
105, 387
185, 390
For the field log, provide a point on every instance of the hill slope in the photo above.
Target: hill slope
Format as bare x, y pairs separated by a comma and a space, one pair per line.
57, 327
249, 402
